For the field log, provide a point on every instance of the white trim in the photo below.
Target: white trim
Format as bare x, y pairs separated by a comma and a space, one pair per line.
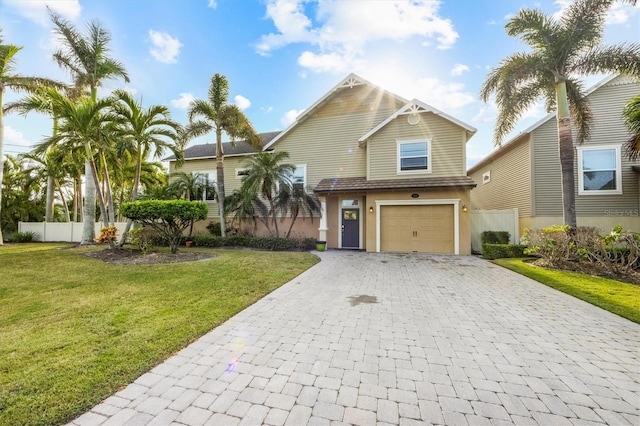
486, 175
349, 81
360, 221
416, 107
242, 169
304, 184
452, 201
413, 172
618, 171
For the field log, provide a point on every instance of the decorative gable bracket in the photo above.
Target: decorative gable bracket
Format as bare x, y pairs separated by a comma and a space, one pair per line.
352, 81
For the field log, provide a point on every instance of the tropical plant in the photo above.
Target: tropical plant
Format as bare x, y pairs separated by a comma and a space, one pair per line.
16, 82
294, 200
631, 114
561, 50
216, 115
168, 217
243, 206
267, 175
191, 186
143, 133
85, 56
23, 199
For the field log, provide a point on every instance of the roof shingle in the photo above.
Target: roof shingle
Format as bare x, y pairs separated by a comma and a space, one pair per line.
208, 150
354, 184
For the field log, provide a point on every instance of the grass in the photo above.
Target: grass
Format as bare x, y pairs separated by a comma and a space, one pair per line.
614, 296
73, 329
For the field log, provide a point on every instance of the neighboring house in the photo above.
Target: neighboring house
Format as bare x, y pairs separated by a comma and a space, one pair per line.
524, 173
390, 173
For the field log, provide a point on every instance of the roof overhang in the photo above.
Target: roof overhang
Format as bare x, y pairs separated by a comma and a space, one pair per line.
361, 184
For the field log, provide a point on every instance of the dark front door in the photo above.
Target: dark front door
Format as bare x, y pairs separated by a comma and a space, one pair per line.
351, 228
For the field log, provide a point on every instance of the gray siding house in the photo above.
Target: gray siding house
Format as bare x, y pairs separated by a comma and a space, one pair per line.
524, 173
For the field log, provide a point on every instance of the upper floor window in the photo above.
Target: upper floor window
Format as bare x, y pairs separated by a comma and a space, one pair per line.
414, 157
599, 170
207, 181
299, 178
240, 173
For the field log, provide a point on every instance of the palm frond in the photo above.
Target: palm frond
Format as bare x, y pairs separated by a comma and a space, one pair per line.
579, 108
622, 58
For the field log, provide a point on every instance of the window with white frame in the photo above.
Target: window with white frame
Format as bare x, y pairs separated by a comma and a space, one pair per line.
486, 177
240, 173
299, 178
207, 181
414, 157
599, 170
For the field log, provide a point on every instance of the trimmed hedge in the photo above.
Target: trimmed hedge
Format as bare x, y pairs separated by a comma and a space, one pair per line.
261, 243
495, 237
500, 251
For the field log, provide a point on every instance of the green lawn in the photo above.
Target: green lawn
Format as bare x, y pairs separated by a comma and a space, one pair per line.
73, 329
614, 296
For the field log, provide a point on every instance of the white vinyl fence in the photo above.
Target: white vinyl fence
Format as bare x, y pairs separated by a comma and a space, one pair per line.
61, 231
493, 220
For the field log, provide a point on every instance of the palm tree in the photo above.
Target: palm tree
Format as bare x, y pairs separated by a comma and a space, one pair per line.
293, 199
85, 57
561, 50
266, 176
10, 80
217, 115
242, 206
189, 186
143, 132
631, 114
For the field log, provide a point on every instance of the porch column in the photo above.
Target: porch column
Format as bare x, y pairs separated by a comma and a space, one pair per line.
322, 230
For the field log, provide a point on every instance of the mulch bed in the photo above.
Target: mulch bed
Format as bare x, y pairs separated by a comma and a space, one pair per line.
124, 256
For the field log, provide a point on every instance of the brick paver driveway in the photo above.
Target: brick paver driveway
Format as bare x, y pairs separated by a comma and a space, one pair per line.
387, 339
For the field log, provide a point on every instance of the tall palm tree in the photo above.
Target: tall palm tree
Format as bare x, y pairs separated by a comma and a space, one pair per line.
267, 174
293, 199
85, 56
561, 50
631, 114
143, 132
10, 80
216, 115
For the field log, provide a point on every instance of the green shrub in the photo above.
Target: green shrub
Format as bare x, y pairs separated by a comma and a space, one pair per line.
500, 251
144, 238
495, 237
208, 240
23, 237
215, 228
261, 243
168, 217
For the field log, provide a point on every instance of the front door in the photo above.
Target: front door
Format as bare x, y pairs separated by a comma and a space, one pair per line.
351, 228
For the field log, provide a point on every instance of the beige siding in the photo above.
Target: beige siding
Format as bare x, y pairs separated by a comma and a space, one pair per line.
607, 127
327, 142
510, 184
447, 147
231, 183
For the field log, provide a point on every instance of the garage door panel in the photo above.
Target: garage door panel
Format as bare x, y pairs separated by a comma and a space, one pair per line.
421, 228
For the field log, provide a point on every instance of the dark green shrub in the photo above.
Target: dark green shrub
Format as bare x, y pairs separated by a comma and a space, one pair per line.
168, 217
260, 243
495, 237
208, 240
23, 237
144, 238
500, 251
214, 228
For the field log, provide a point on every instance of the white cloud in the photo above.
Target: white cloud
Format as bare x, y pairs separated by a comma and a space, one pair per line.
289, 117
14, 137
183, 101
212, 4
267, 109
486, 114
166, 48
242, 102
442, 95
342, 31
36, 10
458, 69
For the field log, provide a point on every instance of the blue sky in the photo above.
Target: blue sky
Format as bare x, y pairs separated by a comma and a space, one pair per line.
280, 56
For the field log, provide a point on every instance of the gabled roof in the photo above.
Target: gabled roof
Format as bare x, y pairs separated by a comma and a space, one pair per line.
521, 136
414, 107
350, 81
352, 184
208, 150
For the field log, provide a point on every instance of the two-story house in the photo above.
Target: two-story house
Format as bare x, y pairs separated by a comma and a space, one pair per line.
524, 173
390, 173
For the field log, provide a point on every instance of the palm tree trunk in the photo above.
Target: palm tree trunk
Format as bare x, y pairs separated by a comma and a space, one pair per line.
134, 197
567, 155
77, 202
273, 214
88, 229
103, 208
107, 192
48, 216
64, 201
220, 178
1, 153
